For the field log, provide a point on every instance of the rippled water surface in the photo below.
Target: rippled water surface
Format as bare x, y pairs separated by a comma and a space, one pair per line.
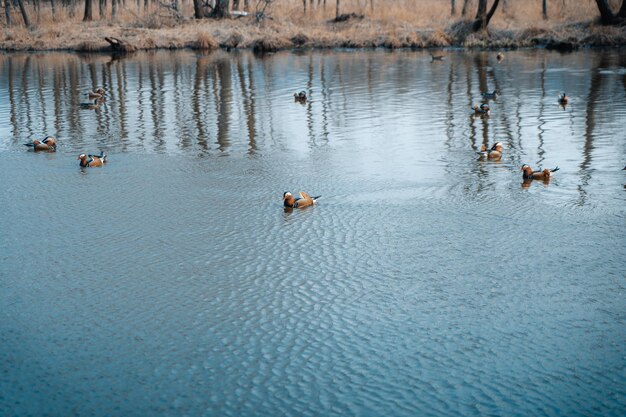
171, 282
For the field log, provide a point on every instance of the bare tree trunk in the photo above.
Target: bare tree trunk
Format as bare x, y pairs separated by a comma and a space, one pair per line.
24, 14
88, 17
304, 4
221, 9
114, 4
606, 15
102, 6
7, 12
464, 10
482, 19
453, 11
622, 11
235, 4
197, 9
54, 9
545, 9
337, 10
246, 5
146, 4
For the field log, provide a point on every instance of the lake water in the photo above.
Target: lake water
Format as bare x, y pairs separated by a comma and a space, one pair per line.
171, 282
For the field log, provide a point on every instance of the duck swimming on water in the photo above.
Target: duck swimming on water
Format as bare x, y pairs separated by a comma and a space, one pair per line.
492, 154
92, 160
47, 144
300, 97
304, 200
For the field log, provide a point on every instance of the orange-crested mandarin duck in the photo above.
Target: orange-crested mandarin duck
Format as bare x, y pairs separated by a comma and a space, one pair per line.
500, 56
301, 96
304, 200
529, 174
494, 153
563, 99
47, 144
92, 160
98, 93
482, 109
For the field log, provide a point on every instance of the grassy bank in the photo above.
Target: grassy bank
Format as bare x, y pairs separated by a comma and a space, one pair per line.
391, 24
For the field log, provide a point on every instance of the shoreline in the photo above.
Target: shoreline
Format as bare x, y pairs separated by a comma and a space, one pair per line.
270, 36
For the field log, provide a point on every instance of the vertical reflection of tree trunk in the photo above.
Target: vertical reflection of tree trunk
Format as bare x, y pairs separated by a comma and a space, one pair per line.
141, 122
120, 75
13, 104
540, 151
155, 72
481, 67
225, 101
25, 95
93, 75
325, 97
184, 139
468, 77
590, 125
450, 107
248, 101
57, 74
309, 109
41, 82
199, 77
74, 89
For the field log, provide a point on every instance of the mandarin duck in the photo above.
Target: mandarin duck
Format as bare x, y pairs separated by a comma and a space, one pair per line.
98, 93
529, 174
304, 200
483, 109
47, 144
563, 99
300, 97
493, 154
92, 160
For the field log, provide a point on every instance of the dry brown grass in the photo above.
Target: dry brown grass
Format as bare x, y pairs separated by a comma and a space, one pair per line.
392, 24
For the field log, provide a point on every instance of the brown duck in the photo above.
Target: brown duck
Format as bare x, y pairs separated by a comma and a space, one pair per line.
304, 200
48, 144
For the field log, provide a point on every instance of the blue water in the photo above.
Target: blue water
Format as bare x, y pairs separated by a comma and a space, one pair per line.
171, 282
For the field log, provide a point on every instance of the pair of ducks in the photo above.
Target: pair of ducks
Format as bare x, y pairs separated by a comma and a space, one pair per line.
49, 144
483, 109
97, 96
495, 154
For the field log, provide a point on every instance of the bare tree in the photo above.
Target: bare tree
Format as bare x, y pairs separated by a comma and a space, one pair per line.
464, 10
197, 9
88, 17
7, 11
482, 17
221, 9
337, 10
607, 17
544, 5
24, 14
453, 11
